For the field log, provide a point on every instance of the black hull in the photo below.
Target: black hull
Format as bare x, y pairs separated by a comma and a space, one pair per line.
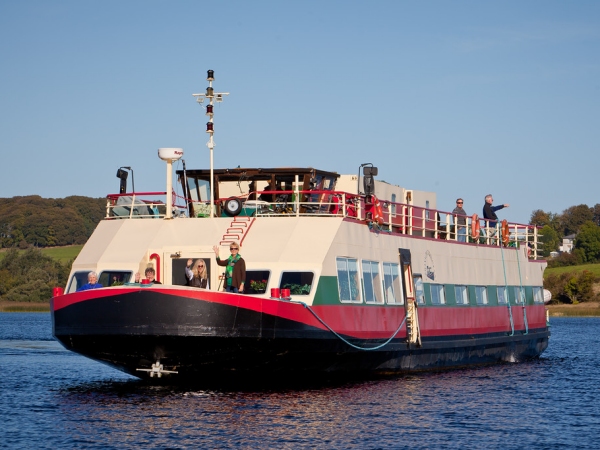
205, 340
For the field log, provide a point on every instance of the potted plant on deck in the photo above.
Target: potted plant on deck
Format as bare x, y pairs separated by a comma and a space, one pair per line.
258, 287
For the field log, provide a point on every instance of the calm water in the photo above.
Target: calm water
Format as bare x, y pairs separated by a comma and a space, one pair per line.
51, 398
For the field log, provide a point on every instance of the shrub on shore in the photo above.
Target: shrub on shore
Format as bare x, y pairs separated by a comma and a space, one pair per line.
573, 287
29, 276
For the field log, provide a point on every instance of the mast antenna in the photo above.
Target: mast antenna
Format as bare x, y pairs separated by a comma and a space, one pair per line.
212, 97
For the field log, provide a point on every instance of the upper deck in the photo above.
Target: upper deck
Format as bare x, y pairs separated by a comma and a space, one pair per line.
295, 192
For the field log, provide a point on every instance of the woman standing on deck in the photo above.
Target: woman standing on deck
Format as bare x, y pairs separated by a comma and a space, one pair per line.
235, 268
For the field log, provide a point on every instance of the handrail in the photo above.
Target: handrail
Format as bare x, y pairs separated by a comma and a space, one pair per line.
396, 217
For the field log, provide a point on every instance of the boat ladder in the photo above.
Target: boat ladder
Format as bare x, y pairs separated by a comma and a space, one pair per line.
413, 332
237, 230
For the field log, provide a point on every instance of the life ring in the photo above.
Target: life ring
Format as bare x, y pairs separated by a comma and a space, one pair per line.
475, 226
335, 204
232, 206
376, 211
505, 232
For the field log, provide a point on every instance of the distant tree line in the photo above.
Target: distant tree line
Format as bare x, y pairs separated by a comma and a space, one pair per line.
48, 222
582, 221
30, 276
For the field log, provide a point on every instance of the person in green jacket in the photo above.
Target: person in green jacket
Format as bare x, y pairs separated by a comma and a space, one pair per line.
235, 268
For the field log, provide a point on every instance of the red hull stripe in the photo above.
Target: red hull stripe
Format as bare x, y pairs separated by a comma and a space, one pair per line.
359, 321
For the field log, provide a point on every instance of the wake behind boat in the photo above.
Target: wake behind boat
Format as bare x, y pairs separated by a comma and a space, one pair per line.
344, 274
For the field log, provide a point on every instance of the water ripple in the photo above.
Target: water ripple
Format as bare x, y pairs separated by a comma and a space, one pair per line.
55, 399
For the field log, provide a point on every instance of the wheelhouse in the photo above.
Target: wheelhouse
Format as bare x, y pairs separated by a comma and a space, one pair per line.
234, 188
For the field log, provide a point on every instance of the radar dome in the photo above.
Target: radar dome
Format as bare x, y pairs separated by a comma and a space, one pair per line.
170, 154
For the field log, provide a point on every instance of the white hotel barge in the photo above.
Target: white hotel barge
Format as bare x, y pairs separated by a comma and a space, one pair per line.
344, 274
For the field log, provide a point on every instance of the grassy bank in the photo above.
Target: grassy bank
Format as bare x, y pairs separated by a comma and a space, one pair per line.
24, 307
594, 268
579, 310
61, 254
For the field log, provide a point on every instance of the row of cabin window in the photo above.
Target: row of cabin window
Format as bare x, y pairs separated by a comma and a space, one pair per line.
462, 294
372, 281
299, 283
355, 284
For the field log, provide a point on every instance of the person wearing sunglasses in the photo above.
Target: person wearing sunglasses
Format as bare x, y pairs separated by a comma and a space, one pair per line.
235, 268
196, 274
460, 220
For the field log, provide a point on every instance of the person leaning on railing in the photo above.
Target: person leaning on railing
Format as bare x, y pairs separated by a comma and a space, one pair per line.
460, 220
489, 212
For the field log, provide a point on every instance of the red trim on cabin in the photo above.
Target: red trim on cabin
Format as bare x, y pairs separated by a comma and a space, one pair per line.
156, 257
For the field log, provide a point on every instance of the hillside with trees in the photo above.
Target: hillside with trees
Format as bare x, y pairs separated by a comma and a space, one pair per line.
583, 222
30, 276
48, 222
31, 223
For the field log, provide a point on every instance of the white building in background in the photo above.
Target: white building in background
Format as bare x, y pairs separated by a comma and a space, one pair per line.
567, 243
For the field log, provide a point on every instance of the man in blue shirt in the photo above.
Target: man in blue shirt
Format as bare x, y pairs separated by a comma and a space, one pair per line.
489, 211
92, 282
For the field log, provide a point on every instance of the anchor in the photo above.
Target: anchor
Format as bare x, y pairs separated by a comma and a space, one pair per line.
156, 369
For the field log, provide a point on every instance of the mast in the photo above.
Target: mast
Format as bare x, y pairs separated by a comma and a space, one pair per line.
212, 97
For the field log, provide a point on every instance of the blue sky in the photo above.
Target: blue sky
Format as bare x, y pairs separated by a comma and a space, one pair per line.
463, 98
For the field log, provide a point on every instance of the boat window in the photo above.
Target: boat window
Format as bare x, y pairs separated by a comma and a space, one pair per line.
78, 280
114, 277
392, 287
256, 281
419, 291
462, 294
321, 183
538, 295
519, 295
324, 183
299, 283
481, 295
199, 194
502, 295
438, 296
348, 280
372, 282
131, 206
199, 189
